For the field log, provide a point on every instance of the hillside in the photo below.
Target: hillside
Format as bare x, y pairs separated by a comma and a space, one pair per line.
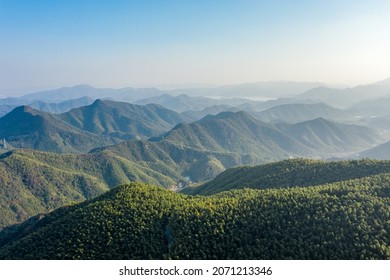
328, 137
348, 96
378, 152
25, 127
241, 133
294, 113
122, 120
235, 132
290, 173
61, 107
343, 220
212, 110
35, 182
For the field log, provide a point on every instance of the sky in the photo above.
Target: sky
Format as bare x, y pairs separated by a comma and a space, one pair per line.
117, 43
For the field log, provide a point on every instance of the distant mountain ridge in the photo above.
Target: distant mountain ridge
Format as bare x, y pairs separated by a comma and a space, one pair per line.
123, 120
294, 113
65, 93
348, 96
26, 127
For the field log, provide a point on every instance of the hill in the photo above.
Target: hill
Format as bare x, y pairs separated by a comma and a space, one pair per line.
328, 137
290, 173
346, 220
256, 90
35, 182
235, 132
348, 96
122, 120
378, 152
66, 93
61, 107
241, 133
25, 127
294, 113
212, 110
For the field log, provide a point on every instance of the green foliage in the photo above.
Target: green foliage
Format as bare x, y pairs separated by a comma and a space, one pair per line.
290, 173
122, 120
33, 182
341, 220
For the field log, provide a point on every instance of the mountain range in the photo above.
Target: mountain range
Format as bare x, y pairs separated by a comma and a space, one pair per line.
340, 219
260, 191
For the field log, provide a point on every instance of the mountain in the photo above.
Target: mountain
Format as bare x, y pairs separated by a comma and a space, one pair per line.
326, 137
241, 133
257, 90
375, 107
182, 103
35, 182
290, 173
171, 158
348, 96
66, 93
61, 107
30, 128
122, 120
5, 109
235, 132
212, 110
378, 152
294, 113
341, 220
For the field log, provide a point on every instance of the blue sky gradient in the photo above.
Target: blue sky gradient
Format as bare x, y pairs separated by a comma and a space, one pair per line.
46, 44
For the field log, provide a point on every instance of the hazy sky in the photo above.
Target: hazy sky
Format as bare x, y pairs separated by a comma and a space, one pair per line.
112, 43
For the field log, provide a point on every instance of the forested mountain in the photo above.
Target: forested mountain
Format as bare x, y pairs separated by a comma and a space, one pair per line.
123, 120
326, 137
290, 173
239, 132
26, 127
294, 113
33, 182
235, 132
342, 220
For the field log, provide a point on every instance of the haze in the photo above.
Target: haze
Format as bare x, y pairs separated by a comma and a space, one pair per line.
47, 44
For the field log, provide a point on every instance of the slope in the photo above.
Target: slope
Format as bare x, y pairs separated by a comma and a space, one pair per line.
328, 137
294, 113
127, 94
35, 182
290, 173
122, 120
30, 128
346, 220
235, 132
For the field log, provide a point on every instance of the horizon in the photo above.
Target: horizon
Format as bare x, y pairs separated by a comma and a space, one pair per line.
137, 44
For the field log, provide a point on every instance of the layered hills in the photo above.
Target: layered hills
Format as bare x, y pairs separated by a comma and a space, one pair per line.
123, 120
290, 173
239, 132
339, 220
294, 113
26, 127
